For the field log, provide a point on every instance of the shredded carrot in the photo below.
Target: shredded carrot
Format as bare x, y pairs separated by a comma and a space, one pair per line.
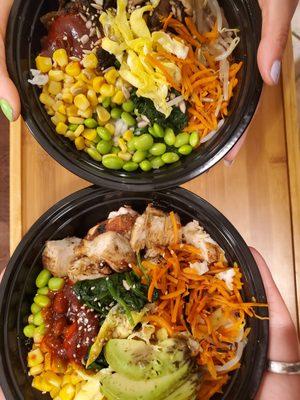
161, 322
175, 226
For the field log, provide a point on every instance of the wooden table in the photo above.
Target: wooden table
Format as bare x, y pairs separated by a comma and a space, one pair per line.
259, 194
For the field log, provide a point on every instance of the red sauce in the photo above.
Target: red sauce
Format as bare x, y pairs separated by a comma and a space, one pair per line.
71, 327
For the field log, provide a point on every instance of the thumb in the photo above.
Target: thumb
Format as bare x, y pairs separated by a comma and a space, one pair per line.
276, 15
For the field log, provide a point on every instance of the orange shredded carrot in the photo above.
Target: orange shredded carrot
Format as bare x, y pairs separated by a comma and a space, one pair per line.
161, 322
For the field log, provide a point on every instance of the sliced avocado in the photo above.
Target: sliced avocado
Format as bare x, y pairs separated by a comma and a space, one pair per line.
188, 390
119, 387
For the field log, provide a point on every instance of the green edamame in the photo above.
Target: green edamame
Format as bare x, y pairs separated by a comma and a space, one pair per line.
104, 133
72, 127
128, 106
94, 154
170, 157
158, 130
42, 278
41, 300
194, 139
115, 150
40, 330
104, 147
116, 113
106, 102
128, 119
157, 162
144, 142
181, 139
35, 308
112, 162
158, 149
43, 290
29, 330
131, 144
185, 149
169, 137
56, 284
145, 165
139, 156
151, 131
91, 123
130, 166
38, 319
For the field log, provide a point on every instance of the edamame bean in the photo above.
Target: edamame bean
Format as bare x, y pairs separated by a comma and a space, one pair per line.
158, 130
146, 165
41, 300
131, 144
152, 132
93, 153
128, 106
158, 149
115, 150
40, 330
128, 119
42, 278
56, 284
170, 157
90, 123
157, 162
35, 308
169, 137
73, 127
139, 156
185, 149
29, 330
116, 113
106, 102
144, 142
104, 133
104, 147
130, 166
194, 139
112, 162
181, 139
38, 319
43, 290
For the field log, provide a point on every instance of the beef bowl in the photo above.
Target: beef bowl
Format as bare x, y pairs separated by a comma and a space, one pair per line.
122, 295
138, 100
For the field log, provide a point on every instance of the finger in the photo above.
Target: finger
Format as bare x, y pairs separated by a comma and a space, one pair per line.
277, 16
283, 343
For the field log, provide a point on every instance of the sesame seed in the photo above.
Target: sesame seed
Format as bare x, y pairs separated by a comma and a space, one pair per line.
88, 24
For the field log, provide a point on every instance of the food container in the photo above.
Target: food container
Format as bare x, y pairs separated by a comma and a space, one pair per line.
74, 215
23, 44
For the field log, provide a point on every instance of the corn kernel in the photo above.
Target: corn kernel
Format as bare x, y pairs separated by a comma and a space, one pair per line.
73, 68
90, 61
61, 128
122, 145
107, 90
35, 357
40, 384
97, 83
62, 109
78, 88
102, 114
67, 392
128, 135
56, 75
90, 134
61, 57
89, 75
36, 370
54, 87
88, 113
88, 143
111, 76
66, 379
60, 117
69, 79
76, 120
72, 111
83, 78
79, 143
118, 98
81, 102
70, 135
53, 379
92, 97
54, 392
50, 112
78, 131
124, 156
47, 100
75, 378
110, 128
43, 64
67, 98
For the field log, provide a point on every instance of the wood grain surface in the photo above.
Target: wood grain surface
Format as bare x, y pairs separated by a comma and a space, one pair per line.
254, 193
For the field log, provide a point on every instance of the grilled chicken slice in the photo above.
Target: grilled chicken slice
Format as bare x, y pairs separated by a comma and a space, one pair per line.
152, 230
195, 235
109, 247
82, 268
58, 255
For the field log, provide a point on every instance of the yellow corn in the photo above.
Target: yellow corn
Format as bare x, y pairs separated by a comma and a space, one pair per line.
52, 378
67, 392
62, 109
119, 97
70, 135
60, 117
127, 135
47, 100
36, 370
55, 120
72, 111
54, 392
81, 102
60, 56
41, 384
102, 114
78, 88
68, 79
92, 97
107, 90
79, 143
88, 143
89, 75
67, 98
75, 378
88, 113
76, 120
97, 83
56, 75
124, 156
78, 131
90, 134
111, 76
50, 112
54, 87
90, 61
73, 68
35, 357
110, 128
61, 128
66, 379
43, 64
122, 145
83, 78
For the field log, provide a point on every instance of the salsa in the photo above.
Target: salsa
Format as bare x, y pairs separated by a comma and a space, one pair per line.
71, 326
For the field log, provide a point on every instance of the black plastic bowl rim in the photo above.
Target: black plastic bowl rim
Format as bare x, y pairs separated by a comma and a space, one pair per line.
73, 216
21, 46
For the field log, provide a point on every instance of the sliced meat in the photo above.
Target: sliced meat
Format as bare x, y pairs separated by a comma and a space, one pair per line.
96, 230
195, 235
58, 255
109, 247
82, 268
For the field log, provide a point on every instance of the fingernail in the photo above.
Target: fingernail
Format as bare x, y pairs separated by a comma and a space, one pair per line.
275, 71
228, 163
6, 109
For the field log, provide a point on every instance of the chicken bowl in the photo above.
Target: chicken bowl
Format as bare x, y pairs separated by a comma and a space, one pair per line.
115, 295
138, 94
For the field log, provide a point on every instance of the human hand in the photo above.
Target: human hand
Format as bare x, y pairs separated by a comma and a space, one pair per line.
283, 342
276, 16
9, 97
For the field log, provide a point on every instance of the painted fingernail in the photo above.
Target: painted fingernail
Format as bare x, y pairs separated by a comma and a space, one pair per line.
275, 71
6, 109
228, 163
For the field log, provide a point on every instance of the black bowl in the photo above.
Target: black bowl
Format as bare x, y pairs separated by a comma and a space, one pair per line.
74, 216
23, 44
